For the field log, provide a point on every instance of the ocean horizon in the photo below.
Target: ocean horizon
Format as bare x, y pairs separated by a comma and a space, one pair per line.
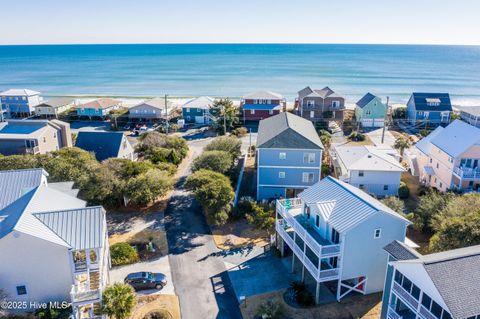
232, 70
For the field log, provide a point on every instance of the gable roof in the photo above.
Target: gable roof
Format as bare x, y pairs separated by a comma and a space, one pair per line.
351, 206
366, 158
19, 92
156, 103
286, 130
81, 228
263, 95
421, 104
48, 213
400, 251
367, 98
473, 110
102, 103
425, 144
16, 183
103, 144
322, 93
57, 102
456, 138
456, 276
203, 102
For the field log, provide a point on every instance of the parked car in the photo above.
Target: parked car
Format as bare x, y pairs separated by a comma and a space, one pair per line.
146, 280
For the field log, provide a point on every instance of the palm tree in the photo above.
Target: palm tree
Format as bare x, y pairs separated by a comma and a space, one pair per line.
119, 301
401, 144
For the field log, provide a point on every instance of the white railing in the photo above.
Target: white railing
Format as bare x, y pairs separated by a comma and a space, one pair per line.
312, 243
32, 150
466, 172
392, 314
78, 295
425, 313
318, 274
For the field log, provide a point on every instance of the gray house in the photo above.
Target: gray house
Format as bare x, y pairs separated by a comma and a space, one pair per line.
53, 107
289, 156
106, 145
432, 108
443, 285
153, 109
337, 234
318, 105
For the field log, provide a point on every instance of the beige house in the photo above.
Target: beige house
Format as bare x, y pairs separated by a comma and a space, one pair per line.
33, 136
318, 105
54, 107
152, 109
448, 158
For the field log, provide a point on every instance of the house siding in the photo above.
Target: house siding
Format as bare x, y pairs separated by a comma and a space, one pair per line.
374, 182
372, 114
259, 114
19, 105
364, 255
93, 111
387, 287
24, 262
189, 114
321, 106
270, 165
433, 117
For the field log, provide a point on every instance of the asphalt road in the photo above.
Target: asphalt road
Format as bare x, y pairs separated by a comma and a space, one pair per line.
200, 278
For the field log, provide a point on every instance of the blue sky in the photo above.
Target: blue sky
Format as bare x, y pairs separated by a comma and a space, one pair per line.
238, 21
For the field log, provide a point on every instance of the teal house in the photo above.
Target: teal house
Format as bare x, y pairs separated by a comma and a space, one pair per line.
198, 110
370, 111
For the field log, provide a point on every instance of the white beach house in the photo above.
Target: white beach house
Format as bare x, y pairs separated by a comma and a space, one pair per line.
369, 168
337, 233
52, 247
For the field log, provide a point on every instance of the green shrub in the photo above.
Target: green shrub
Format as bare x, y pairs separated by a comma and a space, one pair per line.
217, 161
403, 191
356, 137
240, 131
229, 144
145, 188
271, 310
123, 254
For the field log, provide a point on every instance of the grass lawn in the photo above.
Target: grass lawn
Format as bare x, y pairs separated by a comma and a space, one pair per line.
365, 307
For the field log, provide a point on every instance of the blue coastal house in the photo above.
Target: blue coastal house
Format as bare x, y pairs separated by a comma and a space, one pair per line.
19, 102
289, 156
198, 110
98, 108
433, 108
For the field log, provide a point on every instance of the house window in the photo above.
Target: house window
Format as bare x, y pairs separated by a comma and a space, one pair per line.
252, 112
368, 112
24, 98
335, 104
307, 177
309, 158
385, 187
377, 233
335, 236
310, 103
270, 112
361, 186
187, 110
55, 135
312, 114
44, 139
282, 155
441, 185
360, 173
437, 165
281, 174
317, 221
21, 290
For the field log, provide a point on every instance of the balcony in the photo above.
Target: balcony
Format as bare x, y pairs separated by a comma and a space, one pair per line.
405, 296
392, 314
80, 296
467, 173
32, 150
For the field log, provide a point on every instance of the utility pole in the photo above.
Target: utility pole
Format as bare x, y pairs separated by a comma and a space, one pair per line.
166, 114
250, 146
385, 119
224, 120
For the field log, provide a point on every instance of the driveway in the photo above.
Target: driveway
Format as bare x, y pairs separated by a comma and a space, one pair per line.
201, 283
161, 265
258, 272
376, 138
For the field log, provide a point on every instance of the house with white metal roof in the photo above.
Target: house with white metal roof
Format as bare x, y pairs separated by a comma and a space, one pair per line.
19, 102
367, 167
336, 234
53, 247
198, 110
437, 286
448, 158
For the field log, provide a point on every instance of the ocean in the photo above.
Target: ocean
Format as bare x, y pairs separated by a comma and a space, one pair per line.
232, 70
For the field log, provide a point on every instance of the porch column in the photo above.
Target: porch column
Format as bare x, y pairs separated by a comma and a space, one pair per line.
282, 247
303, 273
317, 293
293, 263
